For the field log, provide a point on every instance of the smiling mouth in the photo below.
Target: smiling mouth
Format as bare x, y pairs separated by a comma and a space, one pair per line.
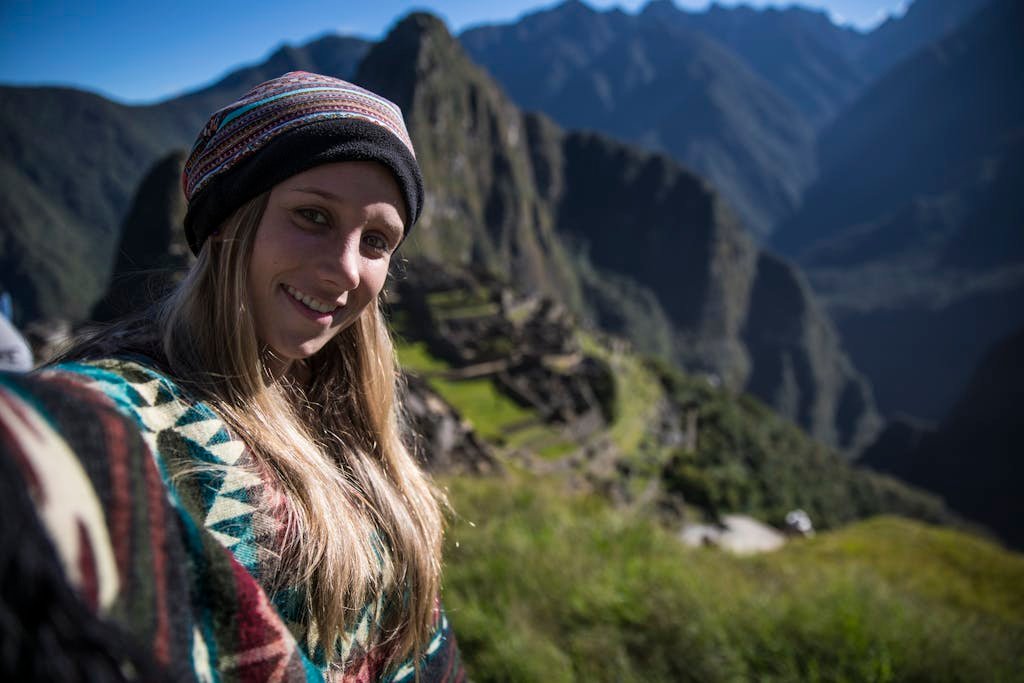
310, 302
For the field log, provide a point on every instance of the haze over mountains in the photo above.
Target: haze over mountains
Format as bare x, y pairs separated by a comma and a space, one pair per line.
893, 183
913, 232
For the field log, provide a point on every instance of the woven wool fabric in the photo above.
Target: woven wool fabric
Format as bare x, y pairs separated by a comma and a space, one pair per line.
175, 560
271, 109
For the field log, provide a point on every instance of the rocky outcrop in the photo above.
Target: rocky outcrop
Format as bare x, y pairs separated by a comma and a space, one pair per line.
153, 253
444, 442
620, 237
517, 195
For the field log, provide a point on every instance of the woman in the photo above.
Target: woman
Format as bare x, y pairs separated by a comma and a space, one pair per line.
264, 385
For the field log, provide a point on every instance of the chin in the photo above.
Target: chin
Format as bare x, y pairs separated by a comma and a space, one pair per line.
290, 353
307, 351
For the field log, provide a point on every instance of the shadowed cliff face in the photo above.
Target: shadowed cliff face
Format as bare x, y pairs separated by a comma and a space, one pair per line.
972, 459
797, 364
912, 236
732, 309
153, 252
642, 215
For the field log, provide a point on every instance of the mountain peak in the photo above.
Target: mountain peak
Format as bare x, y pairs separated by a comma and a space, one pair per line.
419, 43
417, 23
660, 9
573, 7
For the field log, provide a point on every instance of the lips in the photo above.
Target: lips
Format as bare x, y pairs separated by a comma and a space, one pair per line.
310, 301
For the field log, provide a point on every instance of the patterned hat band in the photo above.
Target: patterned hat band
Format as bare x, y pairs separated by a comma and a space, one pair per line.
286, 126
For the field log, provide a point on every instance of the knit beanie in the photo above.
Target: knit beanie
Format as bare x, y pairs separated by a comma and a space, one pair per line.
286, 126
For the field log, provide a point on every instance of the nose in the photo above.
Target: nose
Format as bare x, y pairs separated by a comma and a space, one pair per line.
343, 263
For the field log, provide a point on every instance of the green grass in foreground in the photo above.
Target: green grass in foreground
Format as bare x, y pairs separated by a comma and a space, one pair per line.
552, 587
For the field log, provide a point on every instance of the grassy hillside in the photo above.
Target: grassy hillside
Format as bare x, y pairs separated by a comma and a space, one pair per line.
545, 587
749, 459
545, 583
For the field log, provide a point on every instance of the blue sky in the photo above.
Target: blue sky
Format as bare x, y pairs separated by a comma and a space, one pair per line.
136, 51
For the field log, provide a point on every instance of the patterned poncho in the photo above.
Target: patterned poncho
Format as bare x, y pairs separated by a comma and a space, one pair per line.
177, 561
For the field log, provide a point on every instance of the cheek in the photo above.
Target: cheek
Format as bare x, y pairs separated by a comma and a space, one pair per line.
377, 279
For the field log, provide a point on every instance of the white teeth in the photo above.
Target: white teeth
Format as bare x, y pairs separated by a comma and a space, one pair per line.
315, 304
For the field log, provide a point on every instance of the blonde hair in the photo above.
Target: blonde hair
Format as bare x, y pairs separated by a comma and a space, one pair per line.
362, 519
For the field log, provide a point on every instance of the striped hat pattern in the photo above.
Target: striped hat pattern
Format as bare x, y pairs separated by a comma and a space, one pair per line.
313, 112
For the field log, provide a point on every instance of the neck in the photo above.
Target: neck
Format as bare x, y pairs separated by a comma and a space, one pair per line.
279, 369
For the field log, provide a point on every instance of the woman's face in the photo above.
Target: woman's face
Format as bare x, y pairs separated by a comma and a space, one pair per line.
321, 254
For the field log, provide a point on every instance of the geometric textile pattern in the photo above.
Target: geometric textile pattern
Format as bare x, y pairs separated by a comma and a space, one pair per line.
204, 499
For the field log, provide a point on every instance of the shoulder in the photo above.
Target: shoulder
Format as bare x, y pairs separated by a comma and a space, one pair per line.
137, 389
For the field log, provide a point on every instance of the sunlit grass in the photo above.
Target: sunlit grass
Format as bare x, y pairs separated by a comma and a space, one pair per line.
553, 587
495, 416
414, 356
479, 401
638, 395
544, 440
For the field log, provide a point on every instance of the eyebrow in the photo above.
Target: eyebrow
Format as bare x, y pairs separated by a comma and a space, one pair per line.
326, 194
397, 229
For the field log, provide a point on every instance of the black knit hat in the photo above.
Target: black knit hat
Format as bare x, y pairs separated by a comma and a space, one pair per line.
286, 126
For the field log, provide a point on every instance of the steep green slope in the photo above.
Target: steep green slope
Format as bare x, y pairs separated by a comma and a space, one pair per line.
661, 437
41, 251
71, 162
625, 238
748, 459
